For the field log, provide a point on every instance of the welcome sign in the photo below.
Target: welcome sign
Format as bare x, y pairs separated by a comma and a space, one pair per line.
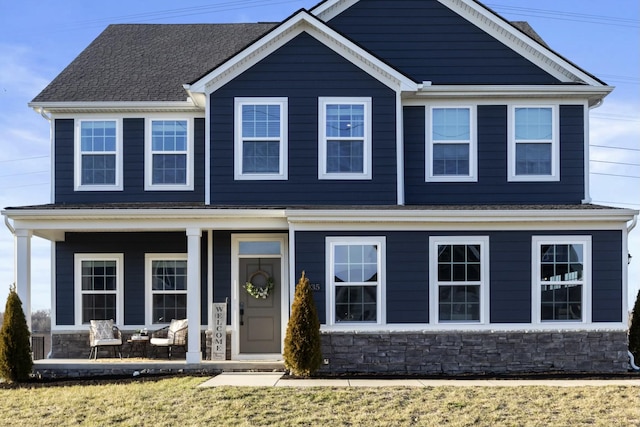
219, 338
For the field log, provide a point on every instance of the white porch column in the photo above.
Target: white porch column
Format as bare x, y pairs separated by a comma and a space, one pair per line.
22, 270
194, 354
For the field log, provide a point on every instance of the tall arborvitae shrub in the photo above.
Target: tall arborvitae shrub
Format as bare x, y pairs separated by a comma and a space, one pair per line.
634, 331
302, 354
15, 348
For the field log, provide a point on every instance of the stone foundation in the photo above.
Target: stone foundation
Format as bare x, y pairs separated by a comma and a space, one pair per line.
455, 353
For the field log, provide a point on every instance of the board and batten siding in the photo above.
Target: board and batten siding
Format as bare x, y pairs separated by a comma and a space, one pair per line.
492, 186
407, 272
302, 71
133, 130
134, 246
429, 42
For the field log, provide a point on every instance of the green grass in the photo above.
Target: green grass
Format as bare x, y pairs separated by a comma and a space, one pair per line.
178, 402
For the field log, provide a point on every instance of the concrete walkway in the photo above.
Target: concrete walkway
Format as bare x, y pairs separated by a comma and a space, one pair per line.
274, 379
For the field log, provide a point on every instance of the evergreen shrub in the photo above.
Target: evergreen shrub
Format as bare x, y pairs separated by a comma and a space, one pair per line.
15, 347
634, 331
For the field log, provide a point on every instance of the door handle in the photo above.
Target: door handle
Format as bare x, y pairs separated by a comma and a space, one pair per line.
241, 313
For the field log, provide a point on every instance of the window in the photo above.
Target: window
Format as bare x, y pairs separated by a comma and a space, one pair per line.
561, 278
261, 138
344, 138
169, 162
451, 145
534, 147
98, 155
356, 278
166, 276
98, 280
459, 279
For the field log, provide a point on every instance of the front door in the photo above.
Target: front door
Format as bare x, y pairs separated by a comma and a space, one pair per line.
259, 306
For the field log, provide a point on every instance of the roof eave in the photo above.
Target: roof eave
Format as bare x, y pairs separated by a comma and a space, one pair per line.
116, 106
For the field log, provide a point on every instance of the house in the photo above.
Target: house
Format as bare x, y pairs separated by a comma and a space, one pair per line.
425, 162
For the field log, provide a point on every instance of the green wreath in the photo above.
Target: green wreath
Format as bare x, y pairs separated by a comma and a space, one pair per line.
257, 291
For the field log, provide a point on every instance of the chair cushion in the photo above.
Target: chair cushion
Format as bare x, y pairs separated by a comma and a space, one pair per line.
102, 329
175, 326
107, 341
163, 342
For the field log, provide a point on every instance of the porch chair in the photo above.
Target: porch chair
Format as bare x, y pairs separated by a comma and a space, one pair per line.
174, 335
103, 333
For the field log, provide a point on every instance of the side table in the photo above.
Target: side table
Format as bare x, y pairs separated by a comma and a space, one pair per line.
139, 344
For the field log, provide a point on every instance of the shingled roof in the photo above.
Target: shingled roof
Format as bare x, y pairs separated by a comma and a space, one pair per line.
148, 62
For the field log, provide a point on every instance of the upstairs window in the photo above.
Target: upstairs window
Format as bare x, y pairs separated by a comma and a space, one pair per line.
344, 138
534, 147
169, 159
98, 156
261, 139
451, 145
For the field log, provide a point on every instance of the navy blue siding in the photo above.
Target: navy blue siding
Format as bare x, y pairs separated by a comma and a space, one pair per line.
492, 186
133, 167
407, 287
427, 41
303, 70
222, 268
134, 246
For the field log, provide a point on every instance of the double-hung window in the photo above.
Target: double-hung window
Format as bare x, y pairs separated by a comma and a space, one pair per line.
459, 279
261, 139
451, 145
98, 279
344, 147
169, 162
561, 278
166, 276
534, 144
98, 155
356, 279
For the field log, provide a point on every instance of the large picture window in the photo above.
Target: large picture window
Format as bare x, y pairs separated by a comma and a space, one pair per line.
356, 277
166, 287
345, 138
459, 279
261, 138
98, 155
451, 144
561, 278
98, 280
534, 147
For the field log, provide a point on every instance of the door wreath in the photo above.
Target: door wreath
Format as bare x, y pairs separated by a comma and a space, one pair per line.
259, 292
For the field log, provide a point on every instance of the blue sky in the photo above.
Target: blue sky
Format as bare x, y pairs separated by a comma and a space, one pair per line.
38, 38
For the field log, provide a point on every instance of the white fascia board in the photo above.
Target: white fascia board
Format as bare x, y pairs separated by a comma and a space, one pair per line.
115, 107
570, 92
329, 9
535, 52
297, 24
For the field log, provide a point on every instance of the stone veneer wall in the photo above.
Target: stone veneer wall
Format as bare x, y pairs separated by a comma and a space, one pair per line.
454, 353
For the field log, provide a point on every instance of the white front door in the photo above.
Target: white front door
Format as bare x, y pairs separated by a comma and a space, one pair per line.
259, 315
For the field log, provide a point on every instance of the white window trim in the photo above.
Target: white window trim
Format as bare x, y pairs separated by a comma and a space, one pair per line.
485, 276
283, 173
536, 243
473, 146
148, 155
511, 145
381, 311
77, 283
148, 274
322, 138
78, 186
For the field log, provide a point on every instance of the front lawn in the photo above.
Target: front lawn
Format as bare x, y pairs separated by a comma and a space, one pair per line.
178, 402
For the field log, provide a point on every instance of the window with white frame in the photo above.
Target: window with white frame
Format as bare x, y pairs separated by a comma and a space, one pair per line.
98, 279
534, 144
344, 138
98, 155
261, 138
169, 158
459, 279
356, 279
451, 144
166, 276
561, 278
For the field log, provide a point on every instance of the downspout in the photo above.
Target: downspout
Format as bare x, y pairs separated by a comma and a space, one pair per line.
631, 226
9, 226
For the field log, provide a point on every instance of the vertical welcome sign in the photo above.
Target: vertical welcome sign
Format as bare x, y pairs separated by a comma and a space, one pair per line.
219, 338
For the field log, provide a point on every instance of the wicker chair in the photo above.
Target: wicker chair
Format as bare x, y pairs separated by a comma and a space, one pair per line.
103, 333
174, 335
